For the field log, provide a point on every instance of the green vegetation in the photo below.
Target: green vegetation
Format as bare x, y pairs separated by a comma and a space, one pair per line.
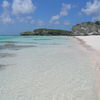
89, 22
27, 33
97, 22
52, 32
44, 29
48, 32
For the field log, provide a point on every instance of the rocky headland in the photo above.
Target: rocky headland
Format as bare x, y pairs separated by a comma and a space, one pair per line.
87, 28
82, 29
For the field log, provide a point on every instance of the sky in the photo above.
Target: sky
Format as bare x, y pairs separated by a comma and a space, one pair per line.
18, 16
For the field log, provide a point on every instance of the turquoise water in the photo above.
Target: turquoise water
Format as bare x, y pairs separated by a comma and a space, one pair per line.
44, 68
29, 38
37, 41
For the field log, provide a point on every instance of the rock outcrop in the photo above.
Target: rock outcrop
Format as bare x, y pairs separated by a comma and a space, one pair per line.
86, 28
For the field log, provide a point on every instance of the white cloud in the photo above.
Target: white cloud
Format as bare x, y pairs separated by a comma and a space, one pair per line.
65, 9
57, 22
64, 12
5, 4
95, 18
23, 7
30, 20
5, 17
38, 22
26, 19
66, 23
54, 18
19, 7
92, 8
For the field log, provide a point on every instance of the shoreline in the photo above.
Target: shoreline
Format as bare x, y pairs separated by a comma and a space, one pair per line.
94, 58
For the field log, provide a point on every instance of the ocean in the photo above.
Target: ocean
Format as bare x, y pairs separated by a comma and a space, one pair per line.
45, 68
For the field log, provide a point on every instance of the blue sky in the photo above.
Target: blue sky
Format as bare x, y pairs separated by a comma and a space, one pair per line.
26, 15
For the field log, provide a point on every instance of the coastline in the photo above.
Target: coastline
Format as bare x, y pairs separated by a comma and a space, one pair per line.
88, 44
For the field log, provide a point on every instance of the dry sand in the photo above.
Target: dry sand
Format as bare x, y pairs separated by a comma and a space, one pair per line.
93, 45
93, 41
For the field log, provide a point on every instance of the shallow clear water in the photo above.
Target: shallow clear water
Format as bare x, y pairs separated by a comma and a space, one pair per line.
33, 39
44, 68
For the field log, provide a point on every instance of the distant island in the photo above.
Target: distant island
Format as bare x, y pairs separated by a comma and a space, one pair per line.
83, 29
47, 32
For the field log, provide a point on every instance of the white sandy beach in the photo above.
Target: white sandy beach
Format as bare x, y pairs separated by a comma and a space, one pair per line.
54, 72
94, 43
